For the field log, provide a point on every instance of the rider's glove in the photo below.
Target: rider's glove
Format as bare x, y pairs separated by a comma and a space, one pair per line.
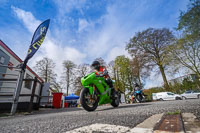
100, 74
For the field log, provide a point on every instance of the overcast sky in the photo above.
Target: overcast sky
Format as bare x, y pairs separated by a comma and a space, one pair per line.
82, 30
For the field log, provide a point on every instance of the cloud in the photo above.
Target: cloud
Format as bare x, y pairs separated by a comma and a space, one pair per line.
116, 51
112, 29
154, 81
27, 18
57, 52
65, 6
101, 36
110, 38
82, 24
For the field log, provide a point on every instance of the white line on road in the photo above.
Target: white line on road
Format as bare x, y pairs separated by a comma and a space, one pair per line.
106, 128
144, 127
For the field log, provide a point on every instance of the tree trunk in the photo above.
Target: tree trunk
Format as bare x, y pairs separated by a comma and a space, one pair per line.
67, 81
115, 77
140, 83
166, 85
198, 81
46, 76
124, 96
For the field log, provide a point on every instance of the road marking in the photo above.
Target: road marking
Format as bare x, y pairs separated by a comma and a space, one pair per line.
147, 125
105, 128
141, 130
144, 127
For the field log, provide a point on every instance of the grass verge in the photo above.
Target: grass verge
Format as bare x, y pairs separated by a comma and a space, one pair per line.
174, 113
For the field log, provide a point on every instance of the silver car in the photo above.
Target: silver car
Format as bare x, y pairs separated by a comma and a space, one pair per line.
190, 94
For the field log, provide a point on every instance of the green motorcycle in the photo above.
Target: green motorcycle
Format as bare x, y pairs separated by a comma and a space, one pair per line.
96, 92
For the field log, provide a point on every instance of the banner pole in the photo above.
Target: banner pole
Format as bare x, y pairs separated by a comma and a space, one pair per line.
18, 90
36, 42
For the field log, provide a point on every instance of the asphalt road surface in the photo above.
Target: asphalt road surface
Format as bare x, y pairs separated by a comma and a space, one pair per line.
62, 120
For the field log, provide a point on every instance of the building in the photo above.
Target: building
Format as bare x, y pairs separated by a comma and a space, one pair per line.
191, 77
32, 84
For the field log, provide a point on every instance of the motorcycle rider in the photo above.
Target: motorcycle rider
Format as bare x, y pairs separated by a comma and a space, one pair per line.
101, 71
136, 87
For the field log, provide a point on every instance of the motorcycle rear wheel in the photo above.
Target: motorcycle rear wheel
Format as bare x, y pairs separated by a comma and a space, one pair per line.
115, 102
87, 102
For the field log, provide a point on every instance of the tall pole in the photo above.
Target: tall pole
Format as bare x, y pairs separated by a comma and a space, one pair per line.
17, 91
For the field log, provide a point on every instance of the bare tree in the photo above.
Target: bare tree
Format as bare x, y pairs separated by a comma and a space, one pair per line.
154, 43
68, 73
186, 53
57, 86
81, 71
44, 68
141, 66
111, 69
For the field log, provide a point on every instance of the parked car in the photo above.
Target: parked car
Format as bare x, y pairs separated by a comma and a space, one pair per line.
190, 94
166, 96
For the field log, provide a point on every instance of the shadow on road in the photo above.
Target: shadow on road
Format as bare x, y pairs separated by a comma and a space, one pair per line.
124, 106
51, 110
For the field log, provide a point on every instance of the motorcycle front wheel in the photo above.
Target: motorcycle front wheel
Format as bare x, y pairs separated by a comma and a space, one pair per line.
87, 102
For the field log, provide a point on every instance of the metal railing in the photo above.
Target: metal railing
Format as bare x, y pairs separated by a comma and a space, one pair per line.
9, 88
8, 85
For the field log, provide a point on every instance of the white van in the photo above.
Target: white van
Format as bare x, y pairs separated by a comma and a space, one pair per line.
165, 96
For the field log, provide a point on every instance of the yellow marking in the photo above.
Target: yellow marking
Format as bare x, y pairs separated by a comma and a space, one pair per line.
38, 43
34, 45
42, 30
29, 51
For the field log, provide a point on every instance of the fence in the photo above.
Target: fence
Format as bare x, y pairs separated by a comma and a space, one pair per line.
8, 85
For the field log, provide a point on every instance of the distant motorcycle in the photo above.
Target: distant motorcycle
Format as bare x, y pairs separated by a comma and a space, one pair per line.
138, 95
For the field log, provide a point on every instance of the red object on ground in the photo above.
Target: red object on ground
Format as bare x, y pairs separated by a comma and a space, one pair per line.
66, 105
57, 100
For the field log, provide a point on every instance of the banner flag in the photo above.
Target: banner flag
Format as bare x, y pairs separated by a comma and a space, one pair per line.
37, 39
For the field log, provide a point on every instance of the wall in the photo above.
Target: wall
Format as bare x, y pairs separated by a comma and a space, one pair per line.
14, 60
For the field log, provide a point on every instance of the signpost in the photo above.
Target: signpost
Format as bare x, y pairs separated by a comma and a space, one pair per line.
36, 42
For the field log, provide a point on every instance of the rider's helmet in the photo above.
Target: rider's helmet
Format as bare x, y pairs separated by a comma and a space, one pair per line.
95, 65
136, 85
